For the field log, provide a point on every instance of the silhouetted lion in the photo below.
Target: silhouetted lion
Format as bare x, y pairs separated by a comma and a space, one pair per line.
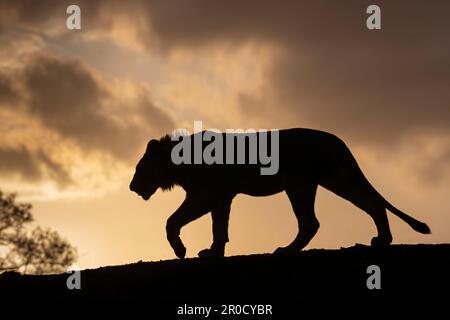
307, 158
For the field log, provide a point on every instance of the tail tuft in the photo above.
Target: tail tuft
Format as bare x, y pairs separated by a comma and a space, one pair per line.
420, 227
413, 223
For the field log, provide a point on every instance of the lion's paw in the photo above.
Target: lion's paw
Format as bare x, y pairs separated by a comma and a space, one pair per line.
210, 253
180, 251
380, 242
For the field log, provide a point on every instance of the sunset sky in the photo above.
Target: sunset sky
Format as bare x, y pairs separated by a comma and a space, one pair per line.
77, 108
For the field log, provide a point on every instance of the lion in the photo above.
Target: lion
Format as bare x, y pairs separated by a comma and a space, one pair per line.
307, 158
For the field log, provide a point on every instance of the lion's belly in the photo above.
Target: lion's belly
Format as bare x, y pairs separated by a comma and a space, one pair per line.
261, 186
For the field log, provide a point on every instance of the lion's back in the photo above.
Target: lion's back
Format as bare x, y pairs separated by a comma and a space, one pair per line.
302, 152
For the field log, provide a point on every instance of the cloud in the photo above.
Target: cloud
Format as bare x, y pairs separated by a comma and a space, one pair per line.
332, 72
66, 96
16, 45
63, 124
31, 166
374, 88
14, 161
378, 89
54, 170
58, 113
7, 93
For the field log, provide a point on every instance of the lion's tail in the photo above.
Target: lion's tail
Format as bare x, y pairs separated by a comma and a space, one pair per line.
415, 224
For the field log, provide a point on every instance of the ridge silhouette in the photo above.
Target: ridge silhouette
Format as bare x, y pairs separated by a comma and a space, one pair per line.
413, 278
307, 158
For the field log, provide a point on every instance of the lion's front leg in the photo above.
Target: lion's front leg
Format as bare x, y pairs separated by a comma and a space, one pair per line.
173, 235
191, 209
220, 217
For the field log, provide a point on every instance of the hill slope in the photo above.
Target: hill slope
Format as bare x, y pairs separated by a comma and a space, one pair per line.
411, 273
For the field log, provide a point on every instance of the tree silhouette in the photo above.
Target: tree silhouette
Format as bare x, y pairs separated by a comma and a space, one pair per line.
39, 251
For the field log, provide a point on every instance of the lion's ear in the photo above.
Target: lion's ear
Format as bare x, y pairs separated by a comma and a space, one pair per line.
153, 145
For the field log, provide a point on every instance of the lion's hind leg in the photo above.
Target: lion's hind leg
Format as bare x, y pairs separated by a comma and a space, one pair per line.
379, 216
353, 186
302, 199
377, 212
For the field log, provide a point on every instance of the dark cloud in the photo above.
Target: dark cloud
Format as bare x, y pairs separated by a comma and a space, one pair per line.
48, 14
54, 170
435, 169
8, 94
330, 72
21, 161
66, 97
31, 166
371, 87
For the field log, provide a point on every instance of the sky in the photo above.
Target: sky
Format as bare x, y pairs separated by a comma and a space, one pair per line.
77, 108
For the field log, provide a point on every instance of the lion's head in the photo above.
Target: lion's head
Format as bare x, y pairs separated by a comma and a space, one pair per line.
154, 170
